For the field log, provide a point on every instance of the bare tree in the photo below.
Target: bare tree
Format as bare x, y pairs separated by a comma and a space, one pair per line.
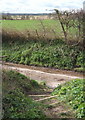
72, 19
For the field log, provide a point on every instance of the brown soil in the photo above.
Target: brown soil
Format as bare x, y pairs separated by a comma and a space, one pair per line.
46, 69
51, 77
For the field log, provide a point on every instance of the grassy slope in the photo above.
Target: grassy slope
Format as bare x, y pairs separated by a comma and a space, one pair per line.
13, 80
16, 103
72, 93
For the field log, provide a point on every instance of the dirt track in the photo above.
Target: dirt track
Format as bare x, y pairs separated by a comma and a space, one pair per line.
52, 77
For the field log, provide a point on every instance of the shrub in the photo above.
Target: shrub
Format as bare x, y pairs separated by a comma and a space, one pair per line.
73, 93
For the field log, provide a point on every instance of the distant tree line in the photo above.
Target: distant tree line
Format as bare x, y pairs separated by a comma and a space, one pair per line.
9, 16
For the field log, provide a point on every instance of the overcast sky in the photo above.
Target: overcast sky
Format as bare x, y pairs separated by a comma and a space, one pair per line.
38, 6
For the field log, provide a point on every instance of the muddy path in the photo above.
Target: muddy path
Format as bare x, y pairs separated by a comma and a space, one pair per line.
51, 77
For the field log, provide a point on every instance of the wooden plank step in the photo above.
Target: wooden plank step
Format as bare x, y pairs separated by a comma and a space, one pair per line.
53, 104
39, 95
46, 98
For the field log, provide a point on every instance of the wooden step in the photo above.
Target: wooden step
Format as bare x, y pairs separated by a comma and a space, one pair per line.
46, 98
38, 95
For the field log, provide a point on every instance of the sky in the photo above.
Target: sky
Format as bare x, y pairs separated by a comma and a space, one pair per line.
38, 6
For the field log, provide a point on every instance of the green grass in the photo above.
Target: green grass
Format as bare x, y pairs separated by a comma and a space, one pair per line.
16, 102
52, 28
29, 24
72, 93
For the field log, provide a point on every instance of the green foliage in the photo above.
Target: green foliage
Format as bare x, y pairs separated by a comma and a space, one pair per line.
22, 60
73, 93
26, 62
58, 55
16, 105
81, 58
80, 69
34, 83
